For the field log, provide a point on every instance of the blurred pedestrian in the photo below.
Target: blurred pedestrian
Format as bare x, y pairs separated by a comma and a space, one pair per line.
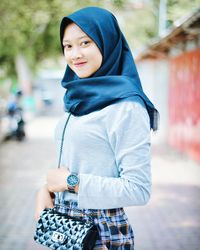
106, 151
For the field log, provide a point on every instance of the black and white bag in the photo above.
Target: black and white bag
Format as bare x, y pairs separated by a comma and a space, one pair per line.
59, 231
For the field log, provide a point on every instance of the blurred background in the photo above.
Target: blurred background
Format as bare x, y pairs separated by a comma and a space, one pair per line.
164, 36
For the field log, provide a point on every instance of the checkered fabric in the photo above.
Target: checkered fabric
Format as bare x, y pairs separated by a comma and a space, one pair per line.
114, 230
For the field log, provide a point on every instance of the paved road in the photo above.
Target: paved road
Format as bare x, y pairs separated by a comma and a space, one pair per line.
171, 220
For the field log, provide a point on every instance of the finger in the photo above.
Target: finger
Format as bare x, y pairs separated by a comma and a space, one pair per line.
37, 216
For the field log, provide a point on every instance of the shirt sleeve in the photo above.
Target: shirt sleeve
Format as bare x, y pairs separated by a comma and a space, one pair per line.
128, 132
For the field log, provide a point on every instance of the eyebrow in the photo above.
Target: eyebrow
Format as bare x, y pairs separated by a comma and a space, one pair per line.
85, 36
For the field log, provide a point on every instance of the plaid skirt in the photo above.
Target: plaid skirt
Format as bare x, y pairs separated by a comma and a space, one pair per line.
114, 230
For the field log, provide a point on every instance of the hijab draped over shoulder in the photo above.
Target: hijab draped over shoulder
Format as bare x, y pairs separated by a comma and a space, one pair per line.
117, 79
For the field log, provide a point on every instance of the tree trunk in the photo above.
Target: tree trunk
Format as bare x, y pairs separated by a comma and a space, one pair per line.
23, 74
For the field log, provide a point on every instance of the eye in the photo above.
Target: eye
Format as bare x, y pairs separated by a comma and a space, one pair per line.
85, 43
67, 46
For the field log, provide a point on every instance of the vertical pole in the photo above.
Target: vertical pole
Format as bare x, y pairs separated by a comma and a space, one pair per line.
162, 17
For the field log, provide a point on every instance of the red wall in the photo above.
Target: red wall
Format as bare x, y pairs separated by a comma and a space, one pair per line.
184, 103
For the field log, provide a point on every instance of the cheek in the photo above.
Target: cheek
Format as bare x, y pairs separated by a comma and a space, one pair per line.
96, 57
98, 60
67, 57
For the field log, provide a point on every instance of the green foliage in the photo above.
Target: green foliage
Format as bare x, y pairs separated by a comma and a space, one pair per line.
138, 26
32, 27
177, 9
119, 3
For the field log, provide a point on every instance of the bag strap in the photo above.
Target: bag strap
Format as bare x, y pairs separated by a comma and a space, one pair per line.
89, 217
62, 140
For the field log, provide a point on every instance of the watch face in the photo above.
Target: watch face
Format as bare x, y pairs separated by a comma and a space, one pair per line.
72, 180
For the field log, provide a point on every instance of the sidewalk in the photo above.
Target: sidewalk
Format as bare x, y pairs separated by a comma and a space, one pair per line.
170, 221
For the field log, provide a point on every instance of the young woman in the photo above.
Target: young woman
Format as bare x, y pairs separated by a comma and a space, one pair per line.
106, 152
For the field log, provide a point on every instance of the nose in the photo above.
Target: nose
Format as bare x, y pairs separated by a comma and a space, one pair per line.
76, 53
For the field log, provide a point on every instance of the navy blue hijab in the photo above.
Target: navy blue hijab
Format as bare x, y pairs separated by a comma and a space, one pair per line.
117, 79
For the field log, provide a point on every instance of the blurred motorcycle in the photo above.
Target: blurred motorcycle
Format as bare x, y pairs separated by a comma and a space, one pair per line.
16, 125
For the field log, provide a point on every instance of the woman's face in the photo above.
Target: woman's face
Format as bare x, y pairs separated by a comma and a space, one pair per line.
81, 53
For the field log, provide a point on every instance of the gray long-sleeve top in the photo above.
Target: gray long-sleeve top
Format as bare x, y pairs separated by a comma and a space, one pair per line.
110, 150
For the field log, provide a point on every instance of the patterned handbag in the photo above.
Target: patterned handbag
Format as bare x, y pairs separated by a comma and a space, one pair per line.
61, 231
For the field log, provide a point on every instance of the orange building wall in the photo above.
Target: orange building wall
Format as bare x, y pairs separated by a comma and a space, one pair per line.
184, 103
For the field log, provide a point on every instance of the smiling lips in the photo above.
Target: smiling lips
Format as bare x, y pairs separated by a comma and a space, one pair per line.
79, 64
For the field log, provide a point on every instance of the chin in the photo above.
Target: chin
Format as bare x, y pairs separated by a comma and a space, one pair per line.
83, 75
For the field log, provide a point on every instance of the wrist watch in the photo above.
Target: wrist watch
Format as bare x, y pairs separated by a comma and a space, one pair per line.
72, 182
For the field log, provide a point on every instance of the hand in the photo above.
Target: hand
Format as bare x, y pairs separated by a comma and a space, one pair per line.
56, 179
44, 199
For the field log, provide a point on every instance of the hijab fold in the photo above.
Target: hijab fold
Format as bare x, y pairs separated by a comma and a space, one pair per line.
117, 79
